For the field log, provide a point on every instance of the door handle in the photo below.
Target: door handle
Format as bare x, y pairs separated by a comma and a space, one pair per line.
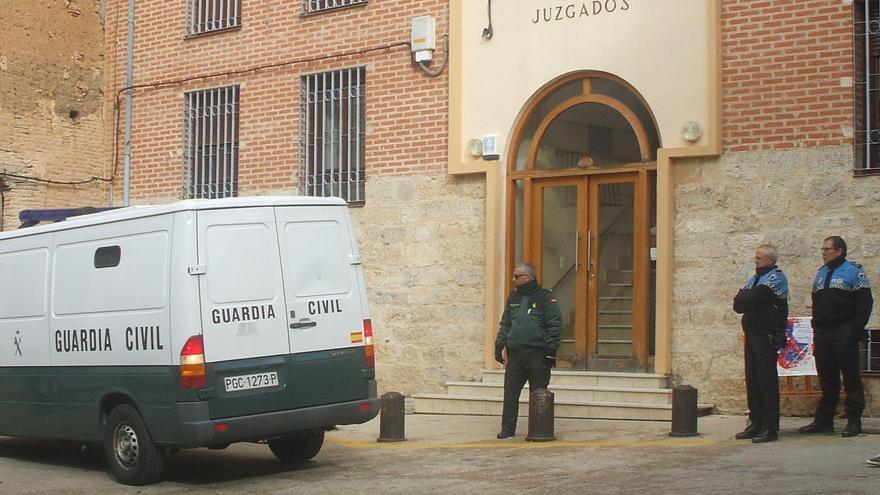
577, 249
590, 252
303, 324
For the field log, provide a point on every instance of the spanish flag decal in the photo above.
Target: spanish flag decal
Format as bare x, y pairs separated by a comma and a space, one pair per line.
357, 337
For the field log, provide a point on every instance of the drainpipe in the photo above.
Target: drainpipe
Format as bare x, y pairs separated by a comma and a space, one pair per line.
129, 76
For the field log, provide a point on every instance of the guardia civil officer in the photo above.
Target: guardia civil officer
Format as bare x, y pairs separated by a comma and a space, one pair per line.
530, 330
842, 303
763, 302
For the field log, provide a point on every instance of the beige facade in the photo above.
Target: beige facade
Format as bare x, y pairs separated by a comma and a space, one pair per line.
773, 163
727, 206
51, 106
715, 202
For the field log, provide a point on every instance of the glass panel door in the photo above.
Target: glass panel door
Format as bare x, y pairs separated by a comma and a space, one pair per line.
615, 238
560, 212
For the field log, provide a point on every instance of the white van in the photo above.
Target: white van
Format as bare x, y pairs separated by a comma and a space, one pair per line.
193, 324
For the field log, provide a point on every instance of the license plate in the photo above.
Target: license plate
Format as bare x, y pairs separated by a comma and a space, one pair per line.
248, 382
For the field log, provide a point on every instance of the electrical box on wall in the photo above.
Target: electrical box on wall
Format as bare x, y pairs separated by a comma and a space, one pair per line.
490, 148
424, 37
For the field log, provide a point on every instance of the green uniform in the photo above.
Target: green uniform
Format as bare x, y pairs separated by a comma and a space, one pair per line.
531, 320
530, 329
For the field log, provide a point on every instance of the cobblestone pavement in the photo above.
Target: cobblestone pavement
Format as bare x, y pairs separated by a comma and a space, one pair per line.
460, 455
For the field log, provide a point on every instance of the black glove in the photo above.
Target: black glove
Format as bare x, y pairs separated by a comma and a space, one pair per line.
498, 356
778, 339
550, 358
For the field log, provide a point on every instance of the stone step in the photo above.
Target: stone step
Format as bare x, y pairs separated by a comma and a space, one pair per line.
491, 406
608, 379
568, 393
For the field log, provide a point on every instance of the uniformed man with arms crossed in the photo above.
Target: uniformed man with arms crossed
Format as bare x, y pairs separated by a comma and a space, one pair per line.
842, 303
763, 302
530, 330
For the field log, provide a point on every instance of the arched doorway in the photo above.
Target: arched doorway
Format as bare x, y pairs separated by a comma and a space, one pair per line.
581, 184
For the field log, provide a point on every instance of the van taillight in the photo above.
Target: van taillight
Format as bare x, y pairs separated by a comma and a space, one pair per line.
368, 341
192, 363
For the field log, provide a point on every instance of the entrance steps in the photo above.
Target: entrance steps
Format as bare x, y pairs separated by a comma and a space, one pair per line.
577, 394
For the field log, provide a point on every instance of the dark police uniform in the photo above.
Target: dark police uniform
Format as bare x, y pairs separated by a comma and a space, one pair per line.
530, 328
842, 303
763, 302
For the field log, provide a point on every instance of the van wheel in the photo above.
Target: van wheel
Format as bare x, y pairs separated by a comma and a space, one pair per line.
299, 447
131, 454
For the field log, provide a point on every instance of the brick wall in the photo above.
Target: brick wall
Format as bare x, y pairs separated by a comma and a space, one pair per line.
406, 110
51, 105
785, 69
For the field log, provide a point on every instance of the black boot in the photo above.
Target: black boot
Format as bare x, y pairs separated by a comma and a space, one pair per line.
853, 428
815, 427
765, 436
749, 432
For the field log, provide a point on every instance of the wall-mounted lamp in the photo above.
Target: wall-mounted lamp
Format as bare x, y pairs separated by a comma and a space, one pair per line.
691, 131
475, 147
485, 147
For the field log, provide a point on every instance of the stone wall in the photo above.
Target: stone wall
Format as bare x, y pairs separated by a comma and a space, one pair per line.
423, 243
725, 208
51, 105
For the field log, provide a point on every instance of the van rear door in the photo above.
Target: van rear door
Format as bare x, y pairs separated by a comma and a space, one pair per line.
326, 304
240, 284
320, 278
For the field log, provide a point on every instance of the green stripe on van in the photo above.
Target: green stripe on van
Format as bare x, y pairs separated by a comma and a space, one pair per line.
305, 380
66, 401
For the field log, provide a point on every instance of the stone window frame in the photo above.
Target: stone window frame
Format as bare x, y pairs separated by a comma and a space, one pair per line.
866, 87
211, 16
310, 7
210, 143
332, 134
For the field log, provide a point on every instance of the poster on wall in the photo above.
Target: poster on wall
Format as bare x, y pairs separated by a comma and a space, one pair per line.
796, 358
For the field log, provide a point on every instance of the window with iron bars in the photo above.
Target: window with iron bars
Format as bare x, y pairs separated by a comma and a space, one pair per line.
866, 79
312, 6
870, 352
210, 134
207, 16
332, 131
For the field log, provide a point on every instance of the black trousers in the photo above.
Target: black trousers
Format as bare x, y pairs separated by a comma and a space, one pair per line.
522, 366
832, 359
762, 382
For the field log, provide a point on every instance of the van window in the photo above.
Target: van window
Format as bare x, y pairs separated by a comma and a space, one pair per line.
23, 283
317, 258
107, 257
139, 280
239, 259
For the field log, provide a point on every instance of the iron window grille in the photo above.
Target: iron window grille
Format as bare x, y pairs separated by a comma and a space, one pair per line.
313, 6
870, 351
332, 131
208, 16
210, 134
866, 79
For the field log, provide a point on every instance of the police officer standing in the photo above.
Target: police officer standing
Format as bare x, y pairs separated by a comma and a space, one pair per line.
842, 303
530, 329
763, 302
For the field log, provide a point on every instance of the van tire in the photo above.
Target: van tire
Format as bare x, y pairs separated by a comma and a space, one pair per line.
299, 447
132, 456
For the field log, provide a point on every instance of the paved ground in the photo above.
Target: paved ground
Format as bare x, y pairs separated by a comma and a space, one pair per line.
460, 455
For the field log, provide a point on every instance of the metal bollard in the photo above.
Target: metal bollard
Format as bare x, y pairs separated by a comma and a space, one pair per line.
541, 416
684, 411
391, 420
